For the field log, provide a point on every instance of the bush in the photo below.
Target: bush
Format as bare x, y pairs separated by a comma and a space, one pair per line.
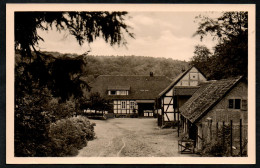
62, 110
32, 121
216, 146
69, 135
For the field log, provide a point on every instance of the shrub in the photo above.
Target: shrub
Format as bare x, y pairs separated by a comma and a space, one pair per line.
31, 124
62, 110
216, 147
69, 135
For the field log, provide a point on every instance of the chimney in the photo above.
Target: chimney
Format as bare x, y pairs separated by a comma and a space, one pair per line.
182, 69
151, 74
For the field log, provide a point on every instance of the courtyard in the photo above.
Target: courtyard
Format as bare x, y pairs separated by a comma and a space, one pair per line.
132, 137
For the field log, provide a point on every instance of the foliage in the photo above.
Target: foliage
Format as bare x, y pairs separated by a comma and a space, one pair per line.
127, 65
230, 57
40, 77
202, 57
61, 75
216, 147
69, 135
96, 102
35, 117
32, 120
84, 26
62, 110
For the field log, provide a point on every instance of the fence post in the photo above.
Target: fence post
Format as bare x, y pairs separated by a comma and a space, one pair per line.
216, 130
231, 125
178, 124
240, 137
223, 134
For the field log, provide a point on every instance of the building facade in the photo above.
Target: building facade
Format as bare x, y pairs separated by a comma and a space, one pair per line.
215, 104
130, 95
177, 93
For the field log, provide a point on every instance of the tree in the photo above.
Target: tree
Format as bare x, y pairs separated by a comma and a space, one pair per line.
39, 77
230, 56
84, 26
202, 57
62, 74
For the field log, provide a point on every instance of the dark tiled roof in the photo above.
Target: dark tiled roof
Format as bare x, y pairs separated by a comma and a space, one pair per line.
185, 90
118, 88
206, 97
141, 87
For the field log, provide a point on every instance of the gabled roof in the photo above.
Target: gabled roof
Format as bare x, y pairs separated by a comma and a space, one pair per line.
206, 97
174, 82
141, 87
177, 79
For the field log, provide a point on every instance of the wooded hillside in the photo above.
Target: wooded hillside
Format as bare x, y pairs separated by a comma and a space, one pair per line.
128, 65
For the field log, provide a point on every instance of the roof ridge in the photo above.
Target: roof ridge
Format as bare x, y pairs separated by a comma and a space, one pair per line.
222, 88
136, 75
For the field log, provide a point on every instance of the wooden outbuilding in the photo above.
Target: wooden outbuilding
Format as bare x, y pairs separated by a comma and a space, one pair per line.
214, 105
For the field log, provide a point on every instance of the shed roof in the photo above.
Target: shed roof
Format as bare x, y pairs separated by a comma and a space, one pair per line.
141, 87
206, 97
185, 90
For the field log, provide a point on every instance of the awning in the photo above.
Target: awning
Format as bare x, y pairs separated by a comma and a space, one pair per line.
145, 101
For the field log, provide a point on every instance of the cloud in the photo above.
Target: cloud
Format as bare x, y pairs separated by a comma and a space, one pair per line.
158, 34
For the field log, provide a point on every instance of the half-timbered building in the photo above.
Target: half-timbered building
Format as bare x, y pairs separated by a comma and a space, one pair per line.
177, 93
130, 94
214, 104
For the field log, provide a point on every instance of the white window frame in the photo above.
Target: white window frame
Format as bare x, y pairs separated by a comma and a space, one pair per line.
123, 104
132, 105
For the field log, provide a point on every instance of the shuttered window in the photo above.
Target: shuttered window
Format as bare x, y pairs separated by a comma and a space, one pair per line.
231, 103
244, 105
237, 104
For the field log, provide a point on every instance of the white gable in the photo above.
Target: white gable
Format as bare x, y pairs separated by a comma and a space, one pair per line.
192, 78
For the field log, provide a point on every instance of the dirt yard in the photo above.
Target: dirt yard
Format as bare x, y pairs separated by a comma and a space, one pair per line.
131, 137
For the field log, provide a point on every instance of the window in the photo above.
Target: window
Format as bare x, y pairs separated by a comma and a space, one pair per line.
123, 106
230, 103
132, 105
193, 76
236, 104
112, 92
118, 92
123, 92
244, 105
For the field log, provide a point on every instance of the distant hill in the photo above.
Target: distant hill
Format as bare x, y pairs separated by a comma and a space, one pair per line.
128, 65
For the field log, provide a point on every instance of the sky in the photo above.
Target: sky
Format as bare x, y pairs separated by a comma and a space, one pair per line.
157, 34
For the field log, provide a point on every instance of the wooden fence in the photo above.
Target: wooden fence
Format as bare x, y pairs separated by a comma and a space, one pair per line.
233, 136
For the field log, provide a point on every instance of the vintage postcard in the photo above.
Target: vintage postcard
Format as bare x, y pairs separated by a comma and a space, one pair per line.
130, 84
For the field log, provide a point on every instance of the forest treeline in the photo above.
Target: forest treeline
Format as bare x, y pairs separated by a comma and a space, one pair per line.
128, 65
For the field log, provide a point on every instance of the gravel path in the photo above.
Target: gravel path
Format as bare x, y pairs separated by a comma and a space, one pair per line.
131, 137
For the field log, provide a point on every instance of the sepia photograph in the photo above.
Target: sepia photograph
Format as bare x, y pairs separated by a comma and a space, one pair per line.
128, 83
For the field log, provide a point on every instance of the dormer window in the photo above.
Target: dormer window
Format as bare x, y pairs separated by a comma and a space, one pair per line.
112, 92
118, 92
